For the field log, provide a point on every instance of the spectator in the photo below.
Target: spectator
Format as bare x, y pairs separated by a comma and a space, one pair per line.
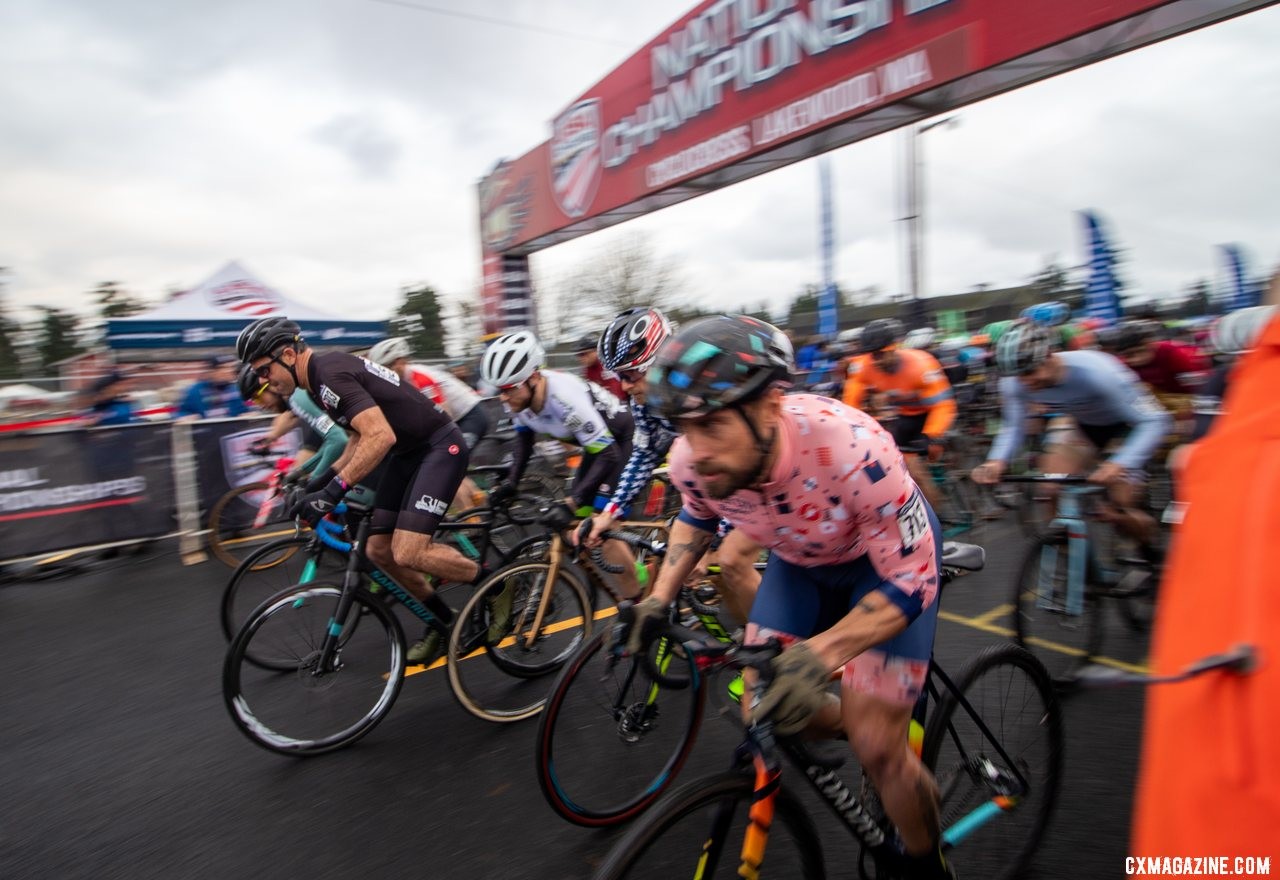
214, 395
108, 401
593, 370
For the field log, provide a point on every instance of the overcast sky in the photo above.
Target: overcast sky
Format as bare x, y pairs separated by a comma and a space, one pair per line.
333, 147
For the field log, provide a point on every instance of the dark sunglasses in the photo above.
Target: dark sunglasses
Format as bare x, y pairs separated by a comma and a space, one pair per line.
264, 371
631, 377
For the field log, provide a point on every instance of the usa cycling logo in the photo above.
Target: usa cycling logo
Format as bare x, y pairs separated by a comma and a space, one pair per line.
575, 157
245, 298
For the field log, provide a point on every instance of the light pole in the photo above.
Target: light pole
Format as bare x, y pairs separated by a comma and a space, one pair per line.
915, 206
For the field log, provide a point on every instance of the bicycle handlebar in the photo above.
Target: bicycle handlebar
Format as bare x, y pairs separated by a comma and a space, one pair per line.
1240, 660
707, 652
1061, 479
639, 542
329, 532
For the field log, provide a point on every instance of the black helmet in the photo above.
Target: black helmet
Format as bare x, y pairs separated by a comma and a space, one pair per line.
1111, 338
249, 383
717, 362
1022, 348
264, 336
1138, 333
880, 334
631, 341
586, 342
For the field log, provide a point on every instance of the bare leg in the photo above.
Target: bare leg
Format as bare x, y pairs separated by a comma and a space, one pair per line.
877, 732
420, 553
378, 549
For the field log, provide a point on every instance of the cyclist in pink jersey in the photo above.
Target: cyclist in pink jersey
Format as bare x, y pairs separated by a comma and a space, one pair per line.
853, 572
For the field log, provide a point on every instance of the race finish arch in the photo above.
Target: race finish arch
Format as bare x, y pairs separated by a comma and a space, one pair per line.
736, 88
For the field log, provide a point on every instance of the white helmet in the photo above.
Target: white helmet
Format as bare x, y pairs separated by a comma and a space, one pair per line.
1236, 332
921, 337
388, 351
511, 359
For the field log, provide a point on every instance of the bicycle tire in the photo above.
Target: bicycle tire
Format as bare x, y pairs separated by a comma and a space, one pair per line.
600, 701
507, 688
220, 534
261, 723
630, 857
1062, 642
980, 681
234, 595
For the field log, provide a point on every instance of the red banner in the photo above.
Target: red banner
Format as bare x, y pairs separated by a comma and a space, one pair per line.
738, 79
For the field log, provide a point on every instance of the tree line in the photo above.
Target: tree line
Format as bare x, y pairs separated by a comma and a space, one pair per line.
29, 350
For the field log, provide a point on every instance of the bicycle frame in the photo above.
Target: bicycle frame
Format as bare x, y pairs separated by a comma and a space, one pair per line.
358, 564
759, 752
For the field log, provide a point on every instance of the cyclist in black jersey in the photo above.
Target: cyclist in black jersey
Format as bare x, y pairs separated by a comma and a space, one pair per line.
387, 418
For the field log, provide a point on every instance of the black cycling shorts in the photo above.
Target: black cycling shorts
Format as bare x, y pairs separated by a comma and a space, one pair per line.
418, 485
474, 425
908, 429
1101, 436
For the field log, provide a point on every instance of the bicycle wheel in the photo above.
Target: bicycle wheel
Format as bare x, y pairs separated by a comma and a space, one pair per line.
605, 711
672, 839
1044, 620
305, 711
547, 623
232, 533
1010, 691
253, 582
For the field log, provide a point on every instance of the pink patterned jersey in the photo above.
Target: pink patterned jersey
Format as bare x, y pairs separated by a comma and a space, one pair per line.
839, 489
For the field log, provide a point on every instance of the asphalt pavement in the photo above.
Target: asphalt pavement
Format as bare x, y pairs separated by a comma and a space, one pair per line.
118, 758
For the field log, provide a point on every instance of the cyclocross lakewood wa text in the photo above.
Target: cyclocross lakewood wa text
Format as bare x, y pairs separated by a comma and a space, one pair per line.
1199, 866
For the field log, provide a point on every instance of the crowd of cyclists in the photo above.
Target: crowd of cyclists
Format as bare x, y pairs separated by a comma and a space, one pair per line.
797, 453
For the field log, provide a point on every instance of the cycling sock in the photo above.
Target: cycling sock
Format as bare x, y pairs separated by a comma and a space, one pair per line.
931, 866
437, 607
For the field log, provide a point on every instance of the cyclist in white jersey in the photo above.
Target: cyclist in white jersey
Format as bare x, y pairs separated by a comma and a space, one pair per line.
571, 410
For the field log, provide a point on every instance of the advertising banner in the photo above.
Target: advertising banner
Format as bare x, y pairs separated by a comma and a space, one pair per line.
83, 487
751, 84
507, 297
225, 463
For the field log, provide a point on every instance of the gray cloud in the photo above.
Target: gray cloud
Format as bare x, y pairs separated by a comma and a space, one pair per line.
334, 146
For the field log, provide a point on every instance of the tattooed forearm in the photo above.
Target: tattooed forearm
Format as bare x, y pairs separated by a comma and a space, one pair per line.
692, 548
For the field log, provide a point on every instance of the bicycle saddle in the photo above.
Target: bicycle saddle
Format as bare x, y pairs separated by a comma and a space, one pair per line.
966, 557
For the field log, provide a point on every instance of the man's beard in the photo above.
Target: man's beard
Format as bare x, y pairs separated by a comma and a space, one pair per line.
728, 482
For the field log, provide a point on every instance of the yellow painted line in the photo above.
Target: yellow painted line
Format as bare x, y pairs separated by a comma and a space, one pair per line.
259, 536
975, 623
995, 613
61, 556
981, 623
511, 640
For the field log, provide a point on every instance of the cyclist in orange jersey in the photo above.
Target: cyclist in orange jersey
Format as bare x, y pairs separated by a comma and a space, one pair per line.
907, 390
